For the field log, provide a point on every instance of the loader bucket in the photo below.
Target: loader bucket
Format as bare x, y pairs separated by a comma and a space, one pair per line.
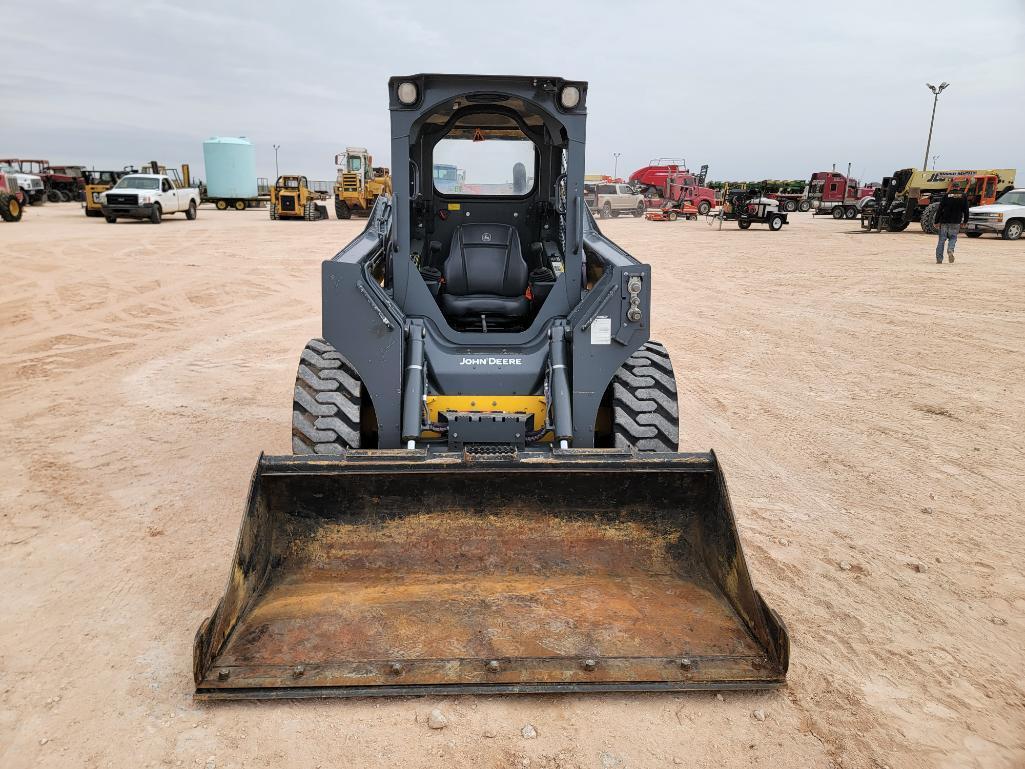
395, 573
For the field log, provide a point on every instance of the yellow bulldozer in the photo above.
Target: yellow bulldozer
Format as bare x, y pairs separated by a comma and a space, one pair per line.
292, 198
359, 183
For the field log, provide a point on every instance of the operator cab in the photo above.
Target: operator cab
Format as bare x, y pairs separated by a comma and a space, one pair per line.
487, 180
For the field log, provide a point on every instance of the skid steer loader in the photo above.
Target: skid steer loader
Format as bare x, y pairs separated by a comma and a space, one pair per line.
292, 198
485, 493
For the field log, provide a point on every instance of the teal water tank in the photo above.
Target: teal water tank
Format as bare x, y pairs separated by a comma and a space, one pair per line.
230, 167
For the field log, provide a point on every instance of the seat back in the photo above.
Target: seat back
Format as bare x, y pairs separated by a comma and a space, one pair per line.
485, 259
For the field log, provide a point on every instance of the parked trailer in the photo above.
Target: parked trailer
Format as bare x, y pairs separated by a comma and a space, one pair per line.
231, 181
792, 194
747, 207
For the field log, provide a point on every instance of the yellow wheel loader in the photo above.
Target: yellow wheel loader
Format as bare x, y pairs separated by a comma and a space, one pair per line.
485, 493
359, 183
292, 198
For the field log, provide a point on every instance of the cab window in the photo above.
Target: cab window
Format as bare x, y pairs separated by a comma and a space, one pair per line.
489, 159
606, 189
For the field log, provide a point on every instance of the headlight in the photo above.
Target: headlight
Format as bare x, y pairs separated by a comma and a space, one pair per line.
569, 97
96, 197
145, 199
407, 93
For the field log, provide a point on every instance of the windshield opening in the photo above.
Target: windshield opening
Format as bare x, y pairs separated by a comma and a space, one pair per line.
481, 160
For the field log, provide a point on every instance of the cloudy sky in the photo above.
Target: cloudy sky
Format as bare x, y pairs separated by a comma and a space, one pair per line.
754, 89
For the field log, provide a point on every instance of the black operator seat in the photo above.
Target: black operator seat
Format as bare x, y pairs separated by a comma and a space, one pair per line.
485, 273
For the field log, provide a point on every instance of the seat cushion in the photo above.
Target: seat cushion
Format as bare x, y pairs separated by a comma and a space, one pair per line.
475, 305
485, 272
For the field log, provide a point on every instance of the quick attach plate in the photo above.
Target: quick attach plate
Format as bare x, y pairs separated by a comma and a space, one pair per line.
481, 427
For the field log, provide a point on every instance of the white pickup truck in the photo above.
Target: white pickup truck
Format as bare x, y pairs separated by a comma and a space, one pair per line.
148, 196
1005, 218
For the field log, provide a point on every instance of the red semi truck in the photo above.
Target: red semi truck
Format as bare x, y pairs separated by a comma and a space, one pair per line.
671, 181
833, 194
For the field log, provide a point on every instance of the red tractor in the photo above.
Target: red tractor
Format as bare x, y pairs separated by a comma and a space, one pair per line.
11, 199
61, 183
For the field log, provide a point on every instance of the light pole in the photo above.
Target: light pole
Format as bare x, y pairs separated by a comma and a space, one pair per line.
934, 162
615, 166
936, 91
276, 173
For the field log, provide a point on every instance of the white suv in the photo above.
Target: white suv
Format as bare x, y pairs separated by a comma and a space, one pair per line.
608, 200
1006, 217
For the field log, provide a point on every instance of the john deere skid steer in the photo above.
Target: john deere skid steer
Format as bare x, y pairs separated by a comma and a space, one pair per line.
485, 493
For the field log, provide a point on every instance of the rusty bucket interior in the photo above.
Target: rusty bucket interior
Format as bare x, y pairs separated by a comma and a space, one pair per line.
390, 573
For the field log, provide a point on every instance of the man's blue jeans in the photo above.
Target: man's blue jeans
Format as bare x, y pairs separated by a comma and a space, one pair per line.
948, 234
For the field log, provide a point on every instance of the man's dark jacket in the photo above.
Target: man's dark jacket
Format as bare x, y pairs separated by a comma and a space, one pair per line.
953, 210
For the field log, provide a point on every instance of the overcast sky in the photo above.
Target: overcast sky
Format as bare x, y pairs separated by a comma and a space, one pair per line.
754, 89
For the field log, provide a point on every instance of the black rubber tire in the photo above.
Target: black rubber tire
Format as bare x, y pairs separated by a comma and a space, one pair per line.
606, 211
310, 211
190, 212
973, 234
639, 211
92, 212
744, 223
65, 197
222, 205
928, 219
838, 212
273, 208
704, 207
156, 214
645, 415
1013, 230
898, 226
240, 205
804, 206
851, 212
53, 196
342, 210
326, 403
789, 206
775, 222
37, 200
672, 216
111, 219
10, 208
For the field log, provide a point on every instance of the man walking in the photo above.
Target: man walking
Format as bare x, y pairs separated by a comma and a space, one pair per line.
952, 213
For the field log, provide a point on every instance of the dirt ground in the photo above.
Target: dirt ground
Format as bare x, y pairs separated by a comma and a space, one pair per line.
866, 403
